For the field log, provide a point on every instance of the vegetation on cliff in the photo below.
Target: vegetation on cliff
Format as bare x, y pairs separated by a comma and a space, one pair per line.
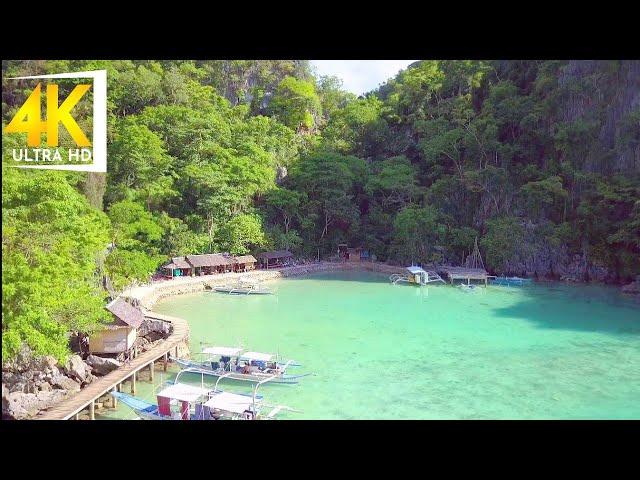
538, 159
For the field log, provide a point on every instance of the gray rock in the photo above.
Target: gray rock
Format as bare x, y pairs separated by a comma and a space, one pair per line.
20, 405
76, 368
47, 362
151, 325
44, 387
65, 383
632, 288
102, 366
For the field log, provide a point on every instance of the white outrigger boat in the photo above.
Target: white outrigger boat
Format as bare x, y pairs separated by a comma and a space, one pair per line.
181, 401
243, 288
232, 363
416, 276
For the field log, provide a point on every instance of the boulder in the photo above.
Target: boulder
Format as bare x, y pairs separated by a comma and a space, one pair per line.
102, 366
160, 328
44, 387
18, 405
65, 383
76, 368
632, 288
88, 379
47, 363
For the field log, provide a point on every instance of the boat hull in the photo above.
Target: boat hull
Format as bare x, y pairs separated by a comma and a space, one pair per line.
203, 369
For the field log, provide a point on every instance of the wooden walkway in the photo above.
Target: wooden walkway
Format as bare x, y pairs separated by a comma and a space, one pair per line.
463, 273
86, 397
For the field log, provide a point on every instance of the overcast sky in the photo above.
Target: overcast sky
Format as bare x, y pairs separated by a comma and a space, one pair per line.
361, 76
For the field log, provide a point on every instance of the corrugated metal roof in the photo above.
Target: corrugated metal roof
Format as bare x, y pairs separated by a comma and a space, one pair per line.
125, 312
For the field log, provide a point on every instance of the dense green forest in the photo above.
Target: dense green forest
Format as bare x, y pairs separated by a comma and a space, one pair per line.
540, 160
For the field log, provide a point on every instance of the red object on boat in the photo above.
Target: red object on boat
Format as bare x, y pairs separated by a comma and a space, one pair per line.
184, 410
164, 406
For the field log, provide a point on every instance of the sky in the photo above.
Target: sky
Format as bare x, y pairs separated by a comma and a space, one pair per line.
361, 76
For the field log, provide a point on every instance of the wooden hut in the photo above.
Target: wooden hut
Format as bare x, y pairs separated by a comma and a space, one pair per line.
352, 254
277, 258
118, 336
178, 267
244, 263
210, 263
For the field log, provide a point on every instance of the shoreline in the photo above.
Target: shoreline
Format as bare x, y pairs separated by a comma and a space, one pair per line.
146, 296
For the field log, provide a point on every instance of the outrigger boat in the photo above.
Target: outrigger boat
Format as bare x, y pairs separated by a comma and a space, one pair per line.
416, 276
230, 362
243, 289
199, 403
511, 281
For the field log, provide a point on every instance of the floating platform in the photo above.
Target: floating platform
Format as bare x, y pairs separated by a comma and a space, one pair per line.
464, 274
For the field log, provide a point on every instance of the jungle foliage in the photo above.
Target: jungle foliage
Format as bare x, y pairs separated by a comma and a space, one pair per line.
240, 156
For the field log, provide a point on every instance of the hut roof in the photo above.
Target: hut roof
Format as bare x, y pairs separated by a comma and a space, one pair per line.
177, 262
276, 254
245, 259
125, 312
209, 260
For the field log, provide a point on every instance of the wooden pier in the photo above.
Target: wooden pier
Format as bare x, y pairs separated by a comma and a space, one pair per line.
463, 273
86, 398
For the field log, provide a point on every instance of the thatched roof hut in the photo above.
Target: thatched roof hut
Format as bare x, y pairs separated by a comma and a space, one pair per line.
276, 254
125, 314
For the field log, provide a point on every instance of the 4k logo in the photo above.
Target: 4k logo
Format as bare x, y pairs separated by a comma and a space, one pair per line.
89, 155
27, 119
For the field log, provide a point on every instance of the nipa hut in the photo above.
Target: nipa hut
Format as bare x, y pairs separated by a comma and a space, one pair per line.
120, 335
244, 263
178, 267
275, 258
210, 263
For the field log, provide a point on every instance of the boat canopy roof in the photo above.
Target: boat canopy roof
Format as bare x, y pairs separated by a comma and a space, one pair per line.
229, 402
224, 351
183, 392
257, 356
415, 270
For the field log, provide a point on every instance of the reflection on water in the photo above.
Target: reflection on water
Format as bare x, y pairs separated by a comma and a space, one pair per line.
385, 351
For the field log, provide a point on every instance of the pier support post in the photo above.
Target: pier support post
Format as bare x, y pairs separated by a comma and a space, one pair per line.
133, 384
166, 359
151, 371
92, 410
76, 416
114, 400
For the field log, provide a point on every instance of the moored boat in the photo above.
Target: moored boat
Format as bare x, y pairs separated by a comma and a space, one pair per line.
180, 401
243, 289
232, 363
417, 276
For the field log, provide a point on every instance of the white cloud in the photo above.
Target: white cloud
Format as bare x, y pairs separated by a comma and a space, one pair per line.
361, 76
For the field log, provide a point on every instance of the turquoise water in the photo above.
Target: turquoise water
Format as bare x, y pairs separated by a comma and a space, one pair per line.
381, 351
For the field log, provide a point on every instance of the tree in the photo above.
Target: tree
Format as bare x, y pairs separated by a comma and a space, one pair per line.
416, 231
502, 240
296, 104
286, 203
242, 234
53, 243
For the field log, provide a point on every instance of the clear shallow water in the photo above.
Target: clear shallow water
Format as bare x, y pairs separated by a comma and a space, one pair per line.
381, 351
